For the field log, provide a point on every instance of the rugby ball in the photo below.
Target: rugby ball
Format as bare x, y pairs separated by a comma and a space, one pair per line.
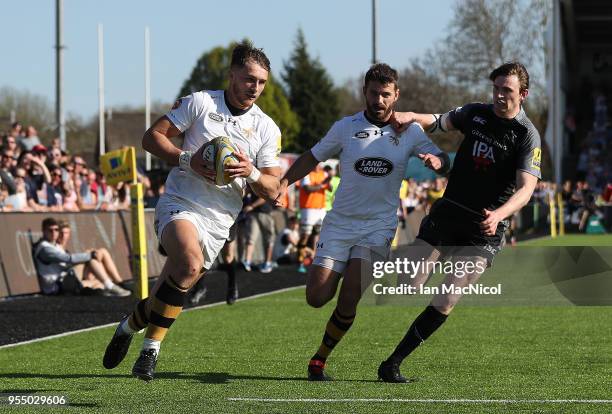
218, 153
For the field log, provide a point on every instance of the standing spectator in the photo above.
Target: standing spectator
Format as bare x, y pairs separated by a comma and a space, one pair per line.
260, 222
334, 182
313, 188
30, 140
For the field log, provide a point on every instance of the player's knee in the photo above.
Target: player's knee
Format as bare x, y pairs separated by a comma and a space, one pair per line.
189, 267
316, 301
315, 298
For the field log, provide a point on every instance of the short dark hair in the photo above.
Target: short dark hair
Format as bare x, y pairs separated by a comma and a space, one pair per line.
48, 222
512, 68
245, 51
381, 72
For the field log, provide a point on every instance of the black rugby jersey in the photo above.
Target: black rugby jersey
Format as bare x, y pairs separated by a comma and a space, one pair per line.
494, 148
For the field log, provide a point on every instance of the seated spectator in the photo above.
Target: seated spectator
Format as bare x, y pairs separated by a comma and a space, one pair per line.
55, 190
19, 201
101, 271
285, 247
4, 194
7, 171
55, 266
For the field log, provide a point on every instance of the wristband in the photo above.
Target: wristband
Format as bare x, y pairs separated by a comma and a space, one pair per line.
254, 176
185, 160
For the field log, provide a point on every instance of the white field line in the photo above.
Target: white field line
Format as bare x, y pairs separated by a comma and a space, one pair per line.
92, 328
415, 400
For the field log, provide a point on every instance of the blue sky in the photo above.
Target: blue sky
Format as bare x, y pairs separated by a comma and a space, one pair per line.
337, 31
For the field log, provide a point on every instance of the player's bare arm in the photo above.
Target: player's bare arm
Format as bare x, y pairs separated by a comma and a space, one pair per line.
300, 168
439, 163
400, 121
157, 141
525, 184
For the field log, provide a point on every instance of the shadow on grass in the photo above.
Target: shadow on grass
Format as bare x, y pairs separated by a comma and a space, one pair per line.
203, 377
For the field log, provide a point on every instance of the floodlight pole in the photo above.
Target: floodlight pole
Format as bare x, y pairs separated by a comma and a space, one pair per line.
147, 92
59, 73
374, 4
102, 142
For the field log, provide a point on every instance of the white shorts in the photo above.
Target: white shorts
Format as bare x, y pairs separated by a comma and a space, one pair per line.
337, 244
211, 235
310, 217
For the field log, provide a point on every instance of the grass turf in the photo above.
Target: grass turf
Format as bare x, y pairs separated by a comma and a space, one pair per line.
259, 349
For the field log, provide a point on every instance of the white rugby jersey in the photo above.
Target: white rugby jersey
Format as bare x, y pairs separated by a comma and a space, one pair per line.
202, 116
373, 163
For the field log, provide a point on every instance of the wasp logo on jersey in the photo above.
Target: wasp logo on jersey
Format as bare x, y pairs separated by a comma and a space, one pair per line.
373, 167
215, 117
177, 103
394, 140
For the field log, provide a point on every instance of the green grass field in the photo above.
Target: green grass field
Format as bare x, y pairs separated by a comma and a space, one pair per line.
252, 357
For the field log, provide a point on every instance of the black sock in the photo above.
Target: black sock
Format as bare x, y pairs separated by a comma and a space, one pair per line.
230, 269
421, 329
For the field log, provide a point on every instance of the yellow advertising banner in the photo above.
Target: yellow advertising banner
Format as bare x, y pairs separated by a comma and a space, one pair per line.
119, 165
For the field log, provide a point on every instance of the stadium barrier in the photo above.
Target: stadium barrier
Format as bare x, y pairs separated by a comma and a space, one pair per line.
111, 230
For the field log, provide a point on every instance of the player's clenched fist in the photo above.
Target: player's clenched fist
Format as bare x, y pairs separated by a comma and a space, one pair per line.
279, 201
198, 165
431, 161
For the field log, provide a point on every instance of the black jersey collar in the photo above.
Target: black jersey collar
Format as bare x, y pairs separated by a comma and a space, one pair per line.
373, 122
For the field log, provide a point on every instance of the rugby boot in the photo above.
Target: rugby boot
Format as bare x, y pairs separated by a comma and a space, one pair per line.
389, 371
144, 368
118, 347
316, 371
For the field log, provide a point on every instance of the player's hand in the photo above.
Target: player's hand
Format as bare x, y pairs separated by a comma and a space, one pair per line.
279, 201
489, 225
431, 161
242, 168
400, 121
197, 164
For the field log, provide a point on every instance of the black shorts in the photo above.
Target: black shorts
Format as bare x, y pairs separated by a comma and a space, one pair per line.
455, 231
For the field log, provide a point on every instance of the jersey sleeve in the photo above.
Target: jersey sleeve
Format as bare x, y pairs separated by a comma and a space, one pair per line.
530, 153
268, 154
460, 115
421, 144
184, 111
330, 145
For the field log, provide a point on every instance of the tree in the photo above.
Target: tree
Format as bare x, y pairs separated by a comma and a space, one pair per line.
30, 109
311, 94
486, 33
210, 72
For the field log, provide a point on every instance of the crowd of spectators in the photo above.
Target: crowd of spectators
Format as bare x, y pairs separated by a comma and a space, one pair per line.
37, 178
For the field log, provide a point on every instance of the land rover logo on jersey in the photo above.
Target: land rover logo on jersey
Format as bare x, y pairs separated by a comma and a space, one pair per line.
215, 117
362, 134
373, 166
